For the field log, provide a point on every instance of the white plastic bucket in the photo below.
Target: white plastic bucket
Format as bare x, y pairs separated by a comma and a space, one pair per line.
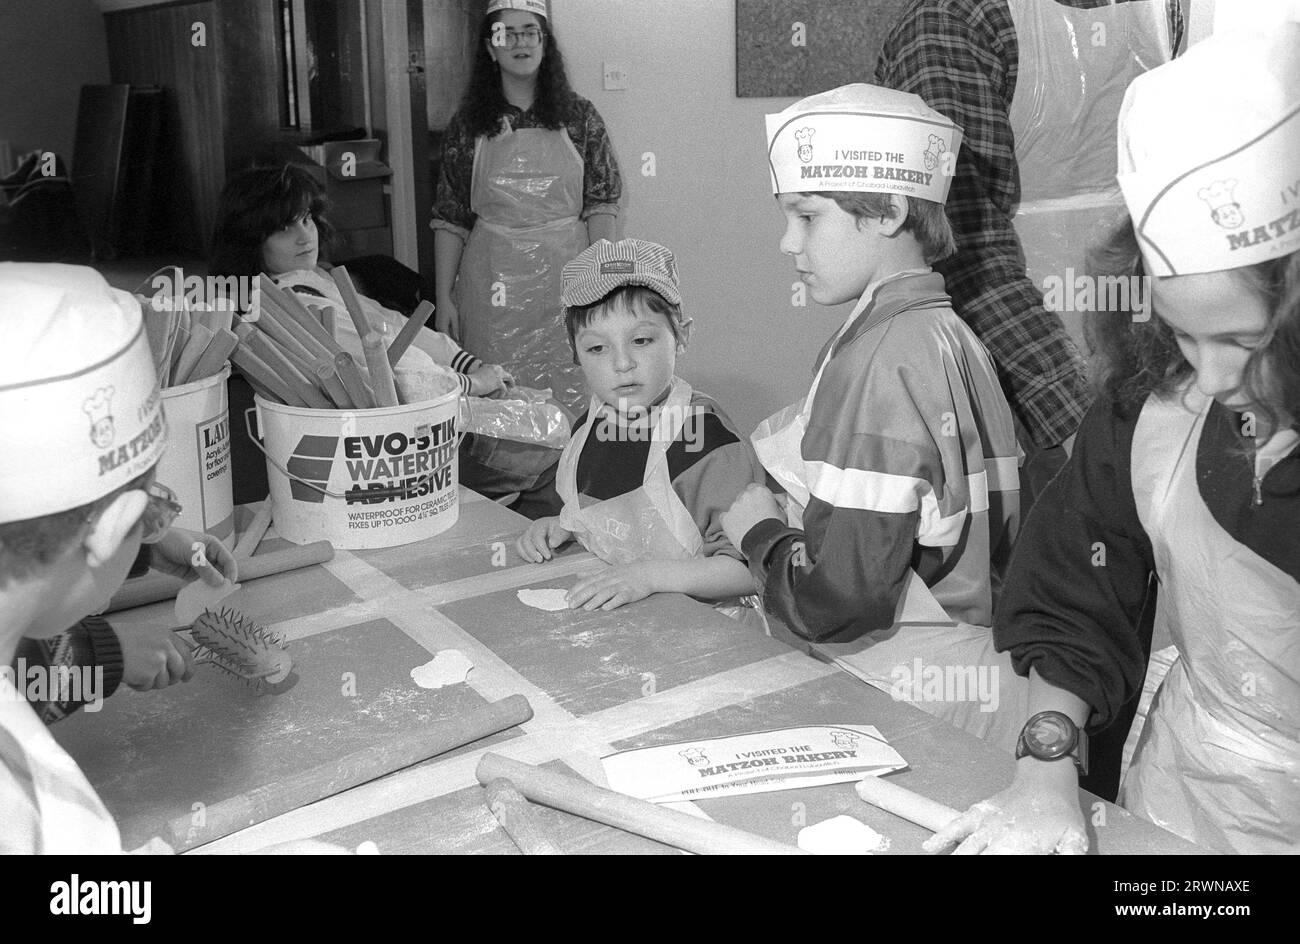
196, 464
362, 478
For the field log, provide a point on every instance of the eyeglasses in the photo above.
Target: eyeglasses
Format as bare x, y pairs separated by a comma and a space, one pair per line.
159, 513
528, 37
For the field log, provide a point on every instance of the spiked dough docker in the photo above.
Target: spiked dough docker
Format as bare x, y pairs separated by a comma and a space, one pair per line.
242, 649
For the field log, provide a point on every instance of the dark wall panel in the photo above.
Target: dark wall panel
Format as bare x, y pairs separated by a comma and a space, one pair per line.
841, 40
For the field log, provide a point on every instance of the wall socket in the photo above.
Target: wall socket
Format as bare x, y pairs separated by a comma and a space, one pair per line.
616, 74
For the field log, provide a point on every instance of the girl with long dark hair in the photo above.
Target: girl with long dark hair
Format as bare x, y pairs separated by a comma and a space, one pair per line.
273, 220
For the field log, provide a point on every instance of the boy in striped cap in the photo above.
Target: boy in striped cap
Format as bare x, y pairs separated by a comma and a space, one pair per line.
652, 463
900, 464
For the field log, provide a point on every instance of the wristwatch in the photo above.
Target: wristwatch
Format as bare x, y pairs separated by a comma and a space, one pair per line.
1051, 735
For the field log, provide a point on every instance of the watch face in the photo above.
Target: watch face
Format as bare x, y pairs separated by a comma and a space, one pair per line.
1050, 735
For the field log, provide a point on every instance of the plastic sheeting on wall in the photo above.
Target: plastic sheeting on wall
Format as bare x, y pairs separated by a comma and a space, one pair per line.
1075, 65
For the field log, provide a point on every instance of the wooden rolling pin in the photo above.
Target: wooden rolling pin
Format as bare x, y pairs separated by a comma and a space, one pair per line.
246, 546
381, 372
519, 820
327, 377
903, 802
197, 343
156, 587
581, 798
213, 358
418, 319
350, 376
343, 773
351, 300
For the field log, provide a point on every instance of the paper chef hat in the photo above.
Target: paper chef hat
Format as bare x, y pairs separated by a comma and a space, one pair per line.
1209, 154
526, 6
80, 412
865, 138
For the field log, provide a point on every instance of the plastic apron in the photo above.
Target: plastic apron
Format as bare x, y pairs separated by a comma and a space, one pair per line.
69, 816
922, 630
1218, 761
1073, 68
648, 523
527, 194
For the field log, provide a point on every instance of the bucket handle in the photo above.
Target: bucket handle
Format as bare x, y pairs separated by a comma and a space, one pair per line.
462, 403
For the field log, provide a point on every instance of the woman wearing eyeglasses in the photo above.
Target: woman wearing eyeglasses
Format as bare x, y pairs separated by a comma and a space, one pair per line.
528, 180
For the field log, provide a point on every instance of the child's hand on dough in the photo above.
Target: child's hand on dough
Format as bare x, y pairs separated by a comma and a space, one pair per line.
1037, 815
543, 535
614, 587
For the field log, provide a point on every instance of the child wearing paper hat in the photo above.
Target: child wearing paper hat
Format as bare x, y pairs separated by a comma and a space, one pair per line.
652, 463
900, 464
82, 431
1185, 476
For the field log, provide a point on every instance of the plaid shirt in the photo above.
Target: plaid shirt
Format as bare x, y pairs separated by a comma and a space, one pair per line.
962, 57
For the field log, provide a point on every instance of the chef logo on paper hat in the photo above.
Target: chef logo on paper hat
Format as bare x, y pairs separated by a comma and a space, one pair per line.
526, 6
1207, 154
869, 139
934, 153
1223, 209
82, 413
804, 137
100, 410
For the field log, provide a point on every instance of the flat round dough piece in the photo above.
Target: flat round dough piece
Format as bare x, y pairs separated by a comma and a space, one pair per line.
551, 598
199, 595
841, 835
449, 667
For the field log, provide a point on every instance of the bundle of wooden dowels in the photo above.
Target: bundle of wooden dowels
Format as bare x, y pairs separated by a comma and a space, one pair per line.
188, 344
288, 351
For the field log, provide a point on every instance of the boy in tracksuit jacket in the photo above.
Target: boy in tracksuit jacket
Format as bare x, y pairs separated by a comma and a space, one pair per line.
900, 466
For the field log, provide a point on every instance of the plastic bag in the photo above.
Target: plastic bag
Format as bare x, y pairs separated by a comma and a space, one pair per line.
1074, 67
425, 382
523, 415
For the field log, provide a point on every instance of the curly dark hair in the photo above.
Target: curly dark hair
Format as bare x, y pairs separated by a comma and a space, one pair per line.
256, 203
1139, 358
484, 104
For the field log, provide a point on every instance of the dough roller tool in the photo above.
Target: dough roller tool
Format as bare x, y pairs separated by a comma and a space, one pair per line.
230, 641
235, 644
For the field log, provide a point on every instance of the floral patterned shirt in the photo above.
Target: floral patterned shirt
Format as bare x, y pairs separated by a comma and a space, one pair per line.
602, 184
